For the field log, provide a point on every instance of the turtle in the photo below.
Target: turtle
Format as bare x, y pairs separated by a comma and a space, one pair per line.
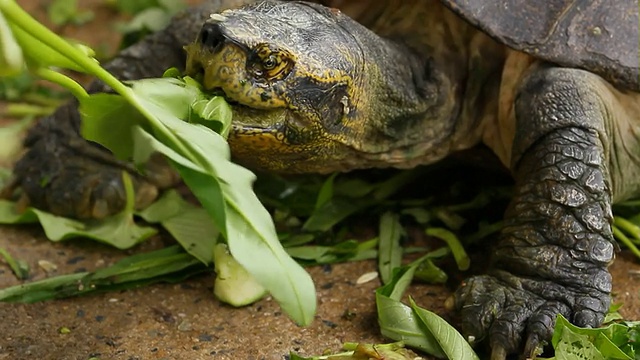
551, 87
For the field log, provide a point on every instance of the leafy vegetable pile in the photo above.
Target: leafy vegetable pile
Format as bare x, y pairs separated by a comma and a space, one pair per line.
172, 117
175, 117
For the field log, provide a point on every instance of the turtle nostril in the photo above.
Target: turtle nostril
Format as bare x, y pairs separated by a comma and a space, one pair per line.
211, 35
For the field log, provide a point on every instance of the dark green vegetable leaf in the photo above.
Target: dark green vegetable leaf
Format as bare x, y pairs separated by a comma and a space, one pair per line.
332, 212
349, 250
326, 191
428, 272
459, 254
389, 249
109, 118
171, 264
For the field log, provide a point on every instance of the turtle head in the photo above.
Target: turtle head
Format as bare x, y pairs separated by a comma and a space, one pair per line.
305, 86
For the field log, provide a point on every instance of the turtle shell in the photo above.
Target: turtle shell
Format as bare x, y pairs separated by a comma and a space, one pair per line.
600, 36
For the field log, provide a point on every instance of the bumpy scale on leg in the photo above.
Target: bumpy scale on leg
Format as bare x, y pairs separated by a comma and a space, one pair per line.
554, 251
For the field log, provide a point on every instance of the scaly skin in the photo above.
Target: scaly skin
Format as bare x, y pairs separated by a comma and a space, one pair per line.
313, 90
553, 254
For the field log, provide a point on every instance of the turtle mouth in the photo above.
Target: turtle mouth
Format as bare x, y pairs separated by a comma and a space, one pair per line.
251, 120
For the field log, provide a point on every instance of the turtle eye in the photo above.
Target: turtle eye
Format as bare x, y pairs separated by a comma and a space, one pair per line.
276, 65
271, 64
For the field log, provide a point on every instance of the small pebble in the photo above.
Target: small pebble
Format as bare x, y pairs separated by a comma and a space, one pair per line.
185, 326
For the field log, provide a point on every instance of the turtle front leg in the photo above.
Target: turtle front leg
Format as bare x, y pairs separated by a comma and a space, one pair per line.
552, 255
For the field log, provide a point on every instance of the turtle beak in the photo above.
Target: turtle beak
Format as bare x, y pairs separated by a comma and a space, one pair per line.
217, 56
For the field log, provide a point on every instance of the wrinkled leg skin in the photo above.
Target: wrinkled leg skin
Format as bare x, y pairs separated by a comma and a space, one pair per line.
552, 256
64, 174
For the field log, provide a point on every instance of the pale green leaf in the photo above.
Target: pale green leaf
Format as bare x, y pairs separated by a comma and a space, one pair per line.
449, 339
191, 226
234, 285
119, 230
398, 322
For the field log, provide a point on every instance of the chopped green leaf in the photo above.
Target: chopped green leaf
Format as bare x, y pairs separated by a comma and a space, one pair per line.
389, 251
428, 272
398, 321
450, 340
20, 268
349, 250
459, 254
233, 284
166, 265
326, 191
191, 226
332, 212
616, 341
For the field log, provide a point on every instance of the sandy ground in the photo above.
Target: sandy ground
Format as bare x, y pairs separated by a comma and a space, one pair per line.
184, 321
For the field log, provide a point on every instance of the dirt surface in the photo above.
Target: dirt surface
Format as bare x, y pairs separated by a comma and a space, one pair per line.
184, 321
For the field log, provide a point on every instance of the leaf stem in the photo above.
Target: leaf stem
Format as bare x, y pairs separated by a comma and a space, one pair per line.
57, 78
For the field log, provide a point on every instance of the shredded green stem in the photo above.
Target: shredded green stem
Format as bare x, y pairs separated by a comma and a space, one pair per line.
57, 78
628, 227
617, 233
21, 110
13, 264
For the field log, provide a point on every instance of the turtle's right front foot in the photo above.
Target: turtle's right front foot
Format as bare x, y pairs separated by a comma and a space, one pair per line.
70, 177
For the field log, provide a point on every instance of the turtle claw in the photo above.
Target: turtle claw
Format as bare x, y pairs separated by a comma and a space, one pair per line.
498, 353
508, 310
532, 347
